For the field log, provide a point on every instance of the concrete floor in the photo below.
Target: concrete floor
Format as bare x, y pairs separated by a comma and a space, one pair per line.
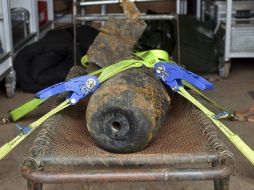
235, 93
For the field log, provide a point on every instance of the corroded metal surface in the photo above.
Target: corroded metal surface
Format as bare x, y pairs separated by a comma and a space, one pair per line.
130, 10
126, 112
117, 38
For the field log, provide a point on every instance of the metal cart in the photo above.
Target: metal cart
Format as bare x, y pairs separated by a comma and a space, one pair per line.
6, 69
234, 22
193, 153
8, 50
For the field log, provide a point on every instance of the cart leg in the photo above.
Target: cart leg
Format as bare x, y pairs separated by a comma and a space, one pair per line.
216, 181
224, 184
34, 186
10, 83
224, 68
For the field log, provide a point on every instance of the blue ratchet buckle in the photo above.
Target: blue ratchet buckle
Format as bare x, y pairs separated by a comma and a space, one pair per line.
24, 130
79, 88
172, 75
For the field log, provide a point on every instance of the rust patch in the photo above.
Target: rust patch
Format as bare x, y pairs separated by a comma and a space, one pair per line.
117, 38
105, 95
130, 10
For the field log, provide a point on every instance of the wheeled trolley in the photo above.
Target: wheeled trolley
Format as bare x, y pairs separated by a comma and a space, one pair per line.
6, 69
234, 23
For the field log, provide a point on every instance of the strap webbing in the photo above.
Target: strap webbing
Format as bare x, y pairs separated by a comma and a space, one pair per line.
214, 103
8, 147
234, 138
119, 67
25, 108
152, 57
85, 61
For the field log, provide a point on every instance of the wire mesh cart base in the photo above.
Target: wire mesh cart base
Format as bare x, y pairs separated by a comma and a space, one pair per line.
187, 148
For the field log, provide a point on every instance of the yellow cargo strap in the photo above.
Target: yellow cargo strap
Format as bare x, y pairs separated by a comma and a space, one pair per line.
25, 108
185, 83
152, 57
119, 67
85, 61
8, 147
234, 138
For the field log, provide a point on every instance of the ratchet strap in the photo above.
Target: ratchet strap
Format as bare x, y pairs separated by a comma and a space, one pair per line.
153, 56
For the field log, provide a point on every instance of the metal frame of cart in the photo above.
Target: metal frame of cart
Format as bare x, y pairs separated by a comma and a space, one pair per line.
6, 68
